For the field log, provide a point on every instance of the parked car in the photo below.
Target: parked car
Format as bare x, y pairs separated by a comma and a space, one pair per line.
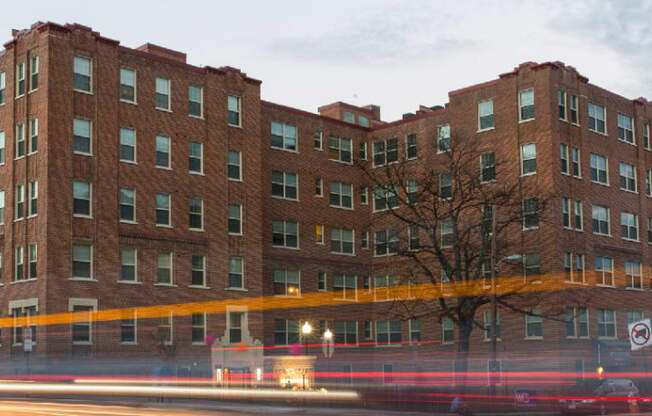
612, 396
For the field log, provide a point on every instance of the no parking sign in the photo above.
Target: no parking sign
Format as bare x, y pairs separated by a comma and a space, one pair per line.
639, 334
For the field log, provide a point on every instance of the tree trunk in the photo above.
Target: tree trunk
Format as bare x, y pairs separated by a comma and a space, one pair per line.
465, 326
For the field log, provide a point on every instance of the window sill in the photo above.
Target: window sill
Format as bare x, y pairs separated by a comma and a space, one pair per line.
32, 153
347, 163
199, 287
192, 172
285, 247
86, 217
487, 129
236, 289
526, 120
528, 174
197, 230
129, 282
237, 126
83, 91
636, 289
14, 282
603, 235
130, 162
343, 254
533, 338
196, 117
605, 337
163, 226
284, 149
19, 219
82, 343
163, 167
198, 344
600, 183
20, 96
165, 285
629, 190
338, 207
530, 228
128, 102
29, 217
631, 240
82, 153
129, 343
606, 286
626, 142
82, 279
284, 198
19, 157
128, 222
234, 179
165, 110
240, 235
598, 132
577, 177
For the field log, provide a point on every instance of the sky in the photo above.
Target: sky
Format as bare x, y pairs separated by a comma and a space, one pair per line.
396, 54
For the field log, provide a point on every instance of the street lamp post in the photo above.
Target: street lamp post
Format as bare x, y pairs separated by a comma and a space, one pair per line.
306, 329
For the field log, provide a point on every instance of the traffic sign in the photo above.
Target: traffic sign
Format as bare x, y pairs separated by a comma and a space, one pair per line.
639, 334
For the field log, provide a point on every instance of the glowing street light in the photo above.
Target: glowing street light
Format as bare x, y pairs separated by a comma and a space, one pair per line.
306, 329
328, 334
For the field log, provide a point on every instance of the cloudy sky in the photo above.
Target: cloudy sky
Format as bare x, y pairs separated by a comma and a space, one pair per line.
397, 54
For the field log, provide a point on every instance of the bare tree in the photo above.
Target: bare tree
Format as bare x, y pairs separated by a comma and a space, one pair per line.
440, 217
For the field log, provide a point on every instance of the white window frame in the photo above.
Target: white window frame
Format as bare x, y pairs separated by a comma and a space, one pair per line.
90, 137
523, 160
633, 275
240, 219
168, 93
32, 206
603, 273
239, 165
239, 110
625, 218
134, 318
88, 302
564, 155
134, 265
120, 203
603, 119
337, 188
521, 106
20, 140
241, 273
624, 119
576, 154
90, 199
529, 319
201, 213
169, 210
170, 267
20, 77
201, 101
284, 184
90, 74
341, 232
342, 294
135, 86
480, 115
443, 135
608, 219
597, 157
613, 321
628, 178
33, 136
19, 200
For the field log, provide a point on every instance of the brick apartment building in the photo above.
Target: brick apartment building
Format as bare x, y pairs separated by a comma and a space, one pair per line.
129, 178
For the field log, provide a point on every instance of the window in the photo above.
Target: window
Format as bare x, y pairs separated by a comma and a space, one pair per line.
284, 136
321, 282
533, 324
33, 198
236, 273
3, 88
20, 79
345, 286
388, 332
233, 111
127, 145
33, 135
82, 261
195, 157
20, 140
575, 157
195, 101
163, 210
164, 329
318, 136
128, 85
319, 188
445, 185
164, 268
488, 322
284, 185
82, 199
347, 116
364, 195
633, 275
286, 332
532, 265
625, 129
341, 195
20, 201
597, 116
285, 234
577, 211
572, 105
414, 326
646, 136
33, 72
563, 157
648, 182
485, 115
236, 323
526, 105
340, 149
488, 167
604, 270
384, 287
577, 323
413, 237
574, 267
447, 236
346, 332
447, 330
2, 207
565, 213
234, 219
599, 169
629, 226
2, 147
528, 159
411, 146
363, 150
364, 240
128, 271
198, 329
19, 263
530, 213
363, 121
606, 323
82, 136
23, 309
163, 152
82, 330
319, 234
385, 151
600, 217
127, 205
198, 270
342, 241
386, 242
561, 104
287, 283
163, 94
412, 191
234, 165
444, 138
634, 316
82, 74
627, 177
385, 197
368, 328
128, 327
196, 214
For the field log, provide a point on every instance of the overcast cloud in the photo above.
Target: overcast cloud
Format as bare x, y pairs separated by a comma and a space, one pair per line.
397, 54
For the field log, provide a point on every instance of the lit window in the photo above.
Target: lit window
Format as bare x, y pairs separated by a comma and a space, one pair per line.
287, 283
82, 74
319, 234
